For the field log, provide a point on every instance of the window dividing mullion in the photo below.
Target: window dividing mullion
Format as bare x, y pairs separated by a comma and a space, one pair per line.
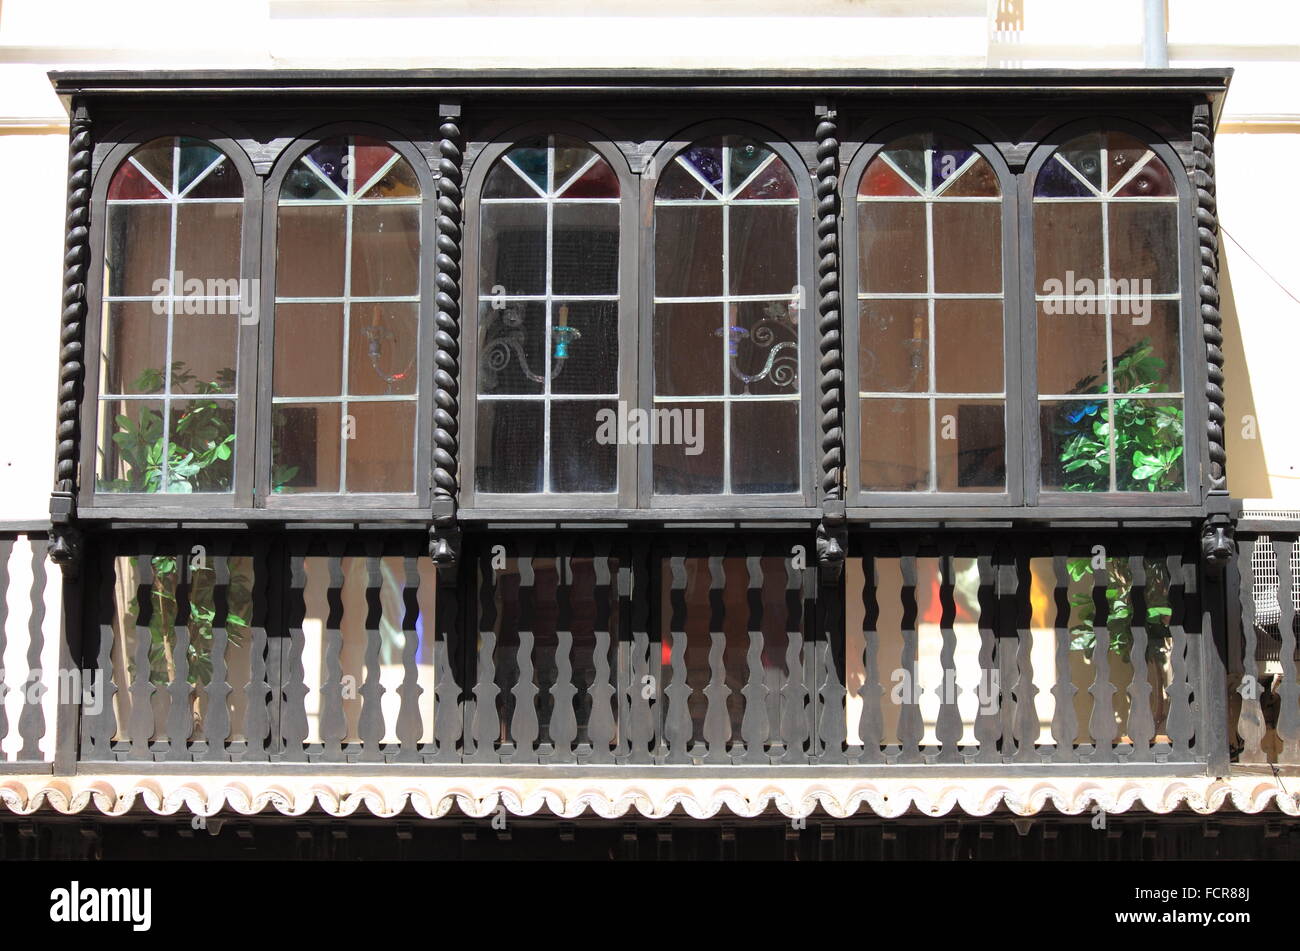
931, 379
550, 290
726, 319
173, 202
344, 429
1110, 343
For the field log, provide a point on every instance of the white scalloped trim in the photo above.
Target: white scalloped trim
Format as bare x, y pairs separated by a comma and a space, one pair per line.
611, 798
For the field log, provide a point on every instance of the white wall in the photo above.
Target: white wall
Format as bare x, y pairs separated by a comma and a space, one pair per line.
1258, 144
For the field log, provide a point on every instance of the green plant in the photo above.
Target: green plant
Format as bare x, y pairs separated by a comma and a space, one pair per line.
1151, 435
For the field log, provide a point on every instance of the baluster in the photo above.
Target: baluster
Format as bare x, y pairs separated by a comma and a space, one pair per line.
948, 728
524, 727
409, 724
988, 720
216, 720
31, 721
871, 724
1101, 724
485, 724
448, 709
1288, 718
643, 681
98, 729
370, 723
1141, 724
180, 712
1026, 727
911, 726
795, 720
678, 727
141, 722
1181, 725
293, 683
6, 553
601, 725
564, 721
261, 701
1065, 725
754, 724
717, 716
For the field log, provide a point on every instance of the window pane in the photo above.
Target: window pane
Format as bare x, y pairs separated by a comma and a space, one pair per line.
381, 452
514, 249
512, 347
970, 445
762, 252
967, 247
1149, 444
509, 449
764, 446
585, 252
1067, 244
1145, 344
135, 348
207, 244
968, 346
892, 254
383, 343
1076, 444
385, 250
202, 443
1071, 348
690, 461
589, 361
308, 350
137, 250
581, 462
1144, 246
894, 449
305, 447
309, 251
893, 355
688, 251
688, 349
765, 341
130, 446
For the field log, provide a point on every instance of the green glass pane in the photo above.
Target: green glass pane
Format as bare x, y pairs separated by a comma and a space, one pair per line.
744, 156
157, 158
196, 156
532, 163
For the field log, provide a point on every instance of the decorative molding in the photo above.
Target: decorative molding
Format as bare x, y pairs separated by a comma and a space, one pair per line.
444, 543
1207, 228
612, 797
830, 533
65, 546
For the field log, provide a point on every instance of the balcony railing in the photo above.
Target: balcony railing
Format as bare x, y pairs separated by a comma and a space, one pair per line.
996, 649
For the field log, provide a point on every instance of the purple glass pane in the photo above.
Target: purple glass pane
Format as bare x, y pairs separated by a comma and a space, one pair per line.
1057, 181
945, 163
707, 160
330, 158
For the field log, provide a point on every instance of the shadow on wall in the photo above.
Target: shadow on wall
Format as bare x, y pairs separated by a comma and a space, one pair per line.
1247, 465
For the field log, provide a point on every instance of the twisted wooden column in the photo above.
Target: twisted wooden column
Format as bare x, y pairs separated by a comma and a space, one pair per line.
65, 544
1207, 228
830, 533
444, 545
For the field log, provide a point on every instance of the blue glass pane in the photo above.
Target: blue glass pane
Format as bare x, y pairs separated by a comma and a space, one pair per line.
945, 163
707, 161
532, 162
1057, 181
196, 155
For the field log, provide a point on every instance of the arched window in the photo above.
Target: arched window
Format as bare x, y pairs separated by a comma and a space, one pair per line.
347, 322
931, 373
727, 305
1110, 390
172, 308
548, 321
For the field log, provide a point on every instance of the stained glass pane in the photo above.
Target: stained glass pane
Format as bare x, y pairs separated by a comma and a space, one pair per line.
1152, 180
1057, 181
947, 162
130, 183
978, 181
158, 159
599, 181
908, 155
678, 183
368, 157
570, 157
305, 182
745, 157
1084, 156
196, 157
505, 182
706, 159
330, 159
774, 181
222, 182
880, 179
531, 163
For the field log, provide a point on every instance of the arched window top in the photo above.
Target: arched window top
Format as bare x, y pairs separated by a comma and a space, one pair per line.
927, 166
175, 168
551, 167
350, 167
1105, 165
727, 168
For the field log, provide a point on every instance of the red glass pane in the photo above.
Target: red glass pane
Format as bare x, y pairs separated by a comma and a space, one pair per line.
774, 181
599, 181
370, 156
129, 183
881, 180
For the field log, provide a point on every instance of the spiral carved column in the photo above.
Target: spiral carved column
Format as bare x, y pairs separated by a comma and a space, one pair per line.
1207, 228
444, 547
65, 543
830, 533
